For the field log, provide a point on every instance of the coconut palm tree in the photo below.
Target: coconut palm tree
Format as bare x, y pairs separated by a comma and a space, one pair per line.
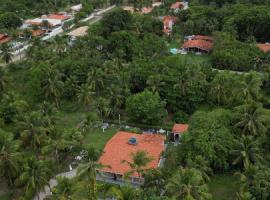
6, 53
85, 95
250, 87
187, 184
2, 81
246, 151
9, 156
138, 164
33, 131
57, 142
88, 170
52, 85
60, 45
64, 189
124, 193
34, 176
252, 119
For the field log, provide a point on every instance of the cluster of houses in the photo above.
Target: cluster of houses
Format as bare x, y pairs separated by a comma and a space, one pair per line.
123, 144
40, 26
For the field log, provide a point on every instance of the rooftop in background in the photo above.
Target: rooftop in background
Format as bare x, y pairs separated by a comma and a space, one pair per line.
4, 38
119, 149
79, 32
264, 47
177, 5
39, 21
202, 37
146, 10
168, 22
38, 32
76, 8
128, 8
180, 128
59, 16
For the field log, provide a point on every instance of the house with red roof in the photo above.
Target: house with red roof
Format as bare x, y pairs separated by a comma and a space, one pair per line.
177, 6
58, 16
178, 130
198, 44
4, 38
264, 47
168, 22
146, 10
120, 147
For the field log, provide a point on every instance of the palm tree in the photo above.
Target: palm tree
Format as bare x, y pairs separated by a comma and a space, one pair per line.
64, 189
2, 81
6, 53
246, 151
202, 165
33, 131
95, 80
34, 176
187, 184
53, 85
9, 156
252, 119
124, 193
250, 87
57, 142
60, 45
155, 83
140, 160
88, 170
85, 95
88, 123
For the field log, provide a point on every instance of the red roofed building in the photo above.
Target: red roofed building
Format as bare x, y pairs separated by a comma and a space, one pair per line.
119, 149
168, 22
38, 32
198, 43
146, 10
177, 5
58, 16
179, 129
4, 38
264, 47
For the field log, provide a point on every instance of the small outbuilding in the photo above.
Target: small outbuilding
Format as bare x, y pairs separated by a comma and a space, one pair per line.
178, 130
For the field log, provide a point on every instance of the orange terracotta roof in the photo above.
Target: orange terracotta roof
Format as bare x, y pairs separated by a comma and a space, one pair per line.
37, 32
4, 38
203, 37
200, 44
118, 149
146, 10
264, 47
177, 5
180, 128
58, 16
168, 21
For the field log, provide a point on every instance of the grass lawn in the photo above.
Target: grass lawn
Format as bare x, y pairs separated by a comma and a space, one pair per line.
223, 187
98, 139
4, 197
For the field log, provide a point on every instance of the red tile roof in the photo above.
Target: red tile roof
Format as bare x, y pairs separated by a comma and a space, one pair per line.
264, 47
168, 21
58, 16
199, 44
37, 32
203, 37
177, 5
4, 38
146, 10
180, 128
118, 149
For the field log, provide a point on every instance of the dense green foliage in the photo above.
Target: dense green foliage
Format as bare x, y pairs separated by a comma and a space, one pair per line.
53, 104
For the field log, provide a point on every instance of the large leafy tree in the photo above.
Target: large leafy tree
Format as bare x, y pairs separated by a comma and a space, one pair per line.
187, 184
146, 107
